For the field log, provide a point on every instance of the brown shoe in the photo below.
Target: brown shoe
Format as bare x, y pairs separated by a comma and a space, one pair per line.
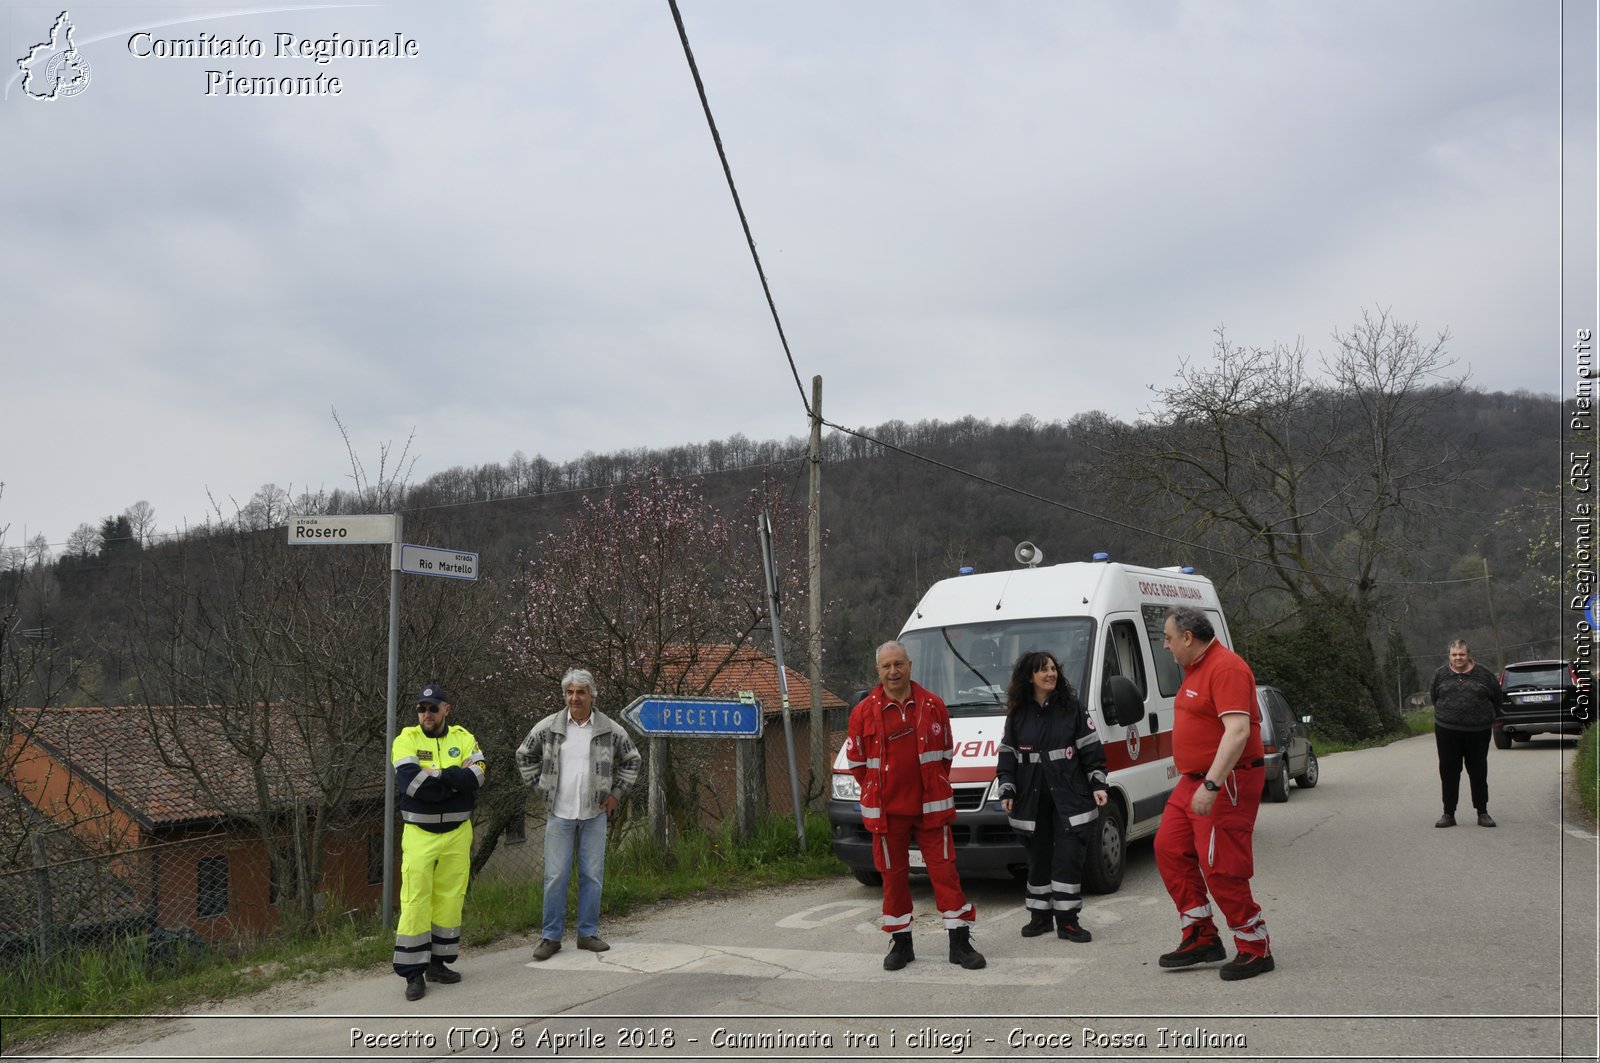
1446, 820
546, 949
592, 944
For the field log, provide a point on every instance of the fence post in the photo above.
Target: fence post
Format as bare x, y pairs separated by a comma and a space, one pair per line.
750, 784
47, 930
657, 802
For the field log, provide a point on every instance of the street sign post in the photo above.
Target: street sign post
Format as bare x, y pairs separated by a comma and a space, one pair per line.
683, 717
432, 561
350, 530
384, 529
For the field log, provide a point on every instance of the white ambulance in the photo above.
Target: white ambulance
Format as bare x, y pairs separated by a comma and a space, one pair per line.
1103, 621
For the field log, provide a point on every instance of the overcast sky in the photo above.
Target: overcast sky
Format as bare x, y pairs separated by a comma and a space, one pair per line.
520, 238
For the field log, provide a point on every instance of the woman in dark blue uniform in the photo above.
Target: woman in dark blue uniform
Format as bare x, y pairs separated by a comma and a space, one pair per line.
1052, 773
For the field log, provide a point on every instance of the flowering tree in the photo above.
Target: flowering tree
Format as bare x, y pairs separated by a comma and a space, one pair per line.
653, 590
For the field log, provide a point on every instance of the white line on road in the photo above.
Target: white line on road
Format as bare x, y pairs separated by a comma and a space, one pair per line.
931, 966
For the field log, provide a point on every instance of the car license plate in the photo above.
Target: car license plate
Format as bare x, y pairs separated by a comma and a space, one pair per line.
1531, 698
916, 858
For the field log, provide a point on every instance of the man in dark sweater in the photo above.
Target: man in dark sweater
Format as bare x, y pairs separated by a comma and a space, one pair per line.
1466, 700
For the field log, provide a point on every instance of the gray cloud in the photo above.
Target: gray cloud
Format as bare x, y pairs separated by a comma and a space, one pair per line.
521, 239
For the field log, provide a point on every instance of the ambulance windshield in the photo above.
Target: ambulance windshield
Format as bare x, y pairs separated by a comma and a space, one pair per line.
969, 666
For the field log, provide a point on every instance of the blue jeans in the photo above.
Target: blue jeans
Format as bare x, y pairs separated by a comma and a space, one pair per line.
563, 837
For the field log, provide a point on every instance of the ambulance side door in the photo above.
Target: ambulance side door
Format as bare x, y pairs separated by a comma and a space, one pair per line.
1140, 753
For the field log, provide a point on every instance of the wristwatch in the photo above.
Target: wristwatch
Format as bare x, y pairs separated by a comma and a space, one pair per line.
1209, 785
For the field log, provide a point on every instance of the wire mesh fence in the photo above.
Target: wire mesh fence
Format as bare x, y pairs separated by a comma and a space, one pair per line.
165, 892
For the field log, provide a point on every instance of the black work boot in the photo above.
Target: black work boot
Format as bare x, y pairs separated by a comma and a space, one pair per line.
900, 952
416, 988
1198, 946
962, 952
1067, 926
438, 972
1038, 923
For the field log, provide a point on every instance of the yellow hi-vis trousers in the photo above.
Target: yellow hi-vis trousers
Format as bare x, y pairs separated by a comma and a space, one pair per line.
433, 885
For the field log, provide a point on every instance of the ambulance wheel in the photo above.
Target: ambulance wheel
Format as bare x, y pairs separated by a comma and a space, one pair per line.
867, 878
1107, 854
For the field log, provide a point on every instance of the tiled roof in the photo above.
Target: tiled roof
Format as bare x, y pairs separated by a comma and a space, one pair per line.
120, 752
751, 669
81, 894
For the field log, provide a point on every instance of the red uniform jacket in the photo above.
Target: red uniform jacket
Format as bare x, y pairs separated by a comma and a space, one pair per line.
864, 756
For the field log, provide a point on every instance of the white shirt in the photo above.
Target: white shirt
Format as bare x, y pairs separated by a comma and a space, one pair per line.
574, 764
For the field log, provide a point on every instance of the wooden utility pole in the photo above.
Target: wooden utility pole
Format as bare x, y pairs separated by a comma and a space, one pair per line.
1488, 592
821, 760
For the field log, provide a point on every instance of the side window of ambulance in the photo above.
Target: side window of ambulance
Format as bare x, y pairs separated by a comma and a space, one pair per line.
1122, 654
1168, 675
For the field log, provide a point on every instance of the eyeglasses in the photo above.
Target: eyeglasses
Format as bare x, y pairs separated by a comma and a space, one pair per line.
422, 709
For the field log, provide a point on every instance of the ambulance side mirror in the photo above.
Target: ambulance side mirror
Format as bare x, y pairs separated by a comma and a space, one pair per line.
1120, 701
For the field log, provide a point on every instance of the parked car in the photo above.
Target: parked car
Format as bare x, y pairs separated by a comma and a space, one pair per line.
1542, 697
1286, 744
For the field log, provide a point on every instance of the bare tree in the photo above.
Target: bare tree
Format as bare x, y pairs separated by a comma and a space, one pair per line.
264, 667
654, 591
142, 519
84, 542
1313, 484
43, 822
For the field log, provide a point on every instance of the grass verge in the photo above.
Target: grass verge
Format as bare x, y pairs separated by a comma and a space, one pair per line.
1586, 774
1416, 723
90, 989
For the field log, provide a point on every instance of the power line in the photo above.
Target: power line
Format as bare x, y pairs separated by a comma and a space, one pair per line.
727, 171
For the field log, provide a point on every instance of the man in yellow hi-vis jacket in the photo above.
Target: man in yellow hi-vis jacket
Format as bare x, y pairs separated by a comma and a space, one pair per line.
437, 771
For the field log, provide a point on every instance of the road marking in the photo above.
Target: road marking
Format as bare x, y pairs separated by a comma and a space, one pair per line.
932, 965
808, 919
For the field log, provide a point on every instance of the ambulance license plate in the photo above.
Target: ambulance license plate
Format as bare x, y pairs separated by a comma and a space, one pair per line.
916, 858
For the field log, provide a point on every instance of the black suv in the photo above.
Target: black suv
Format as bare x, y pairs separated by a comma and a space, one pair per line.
1542, 697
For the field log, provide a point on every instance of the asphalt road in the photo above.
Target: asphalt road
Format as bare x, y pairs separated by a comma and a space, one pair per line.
1394, 940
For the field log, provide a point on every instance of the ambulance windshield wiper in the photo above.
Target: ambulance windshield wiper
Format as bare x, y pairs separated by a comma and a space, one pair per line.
967, 703
944, 633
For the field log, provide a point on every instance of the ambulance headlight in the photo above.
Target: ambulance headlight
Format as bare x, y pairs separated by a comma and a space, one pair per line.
993, 793
845, 787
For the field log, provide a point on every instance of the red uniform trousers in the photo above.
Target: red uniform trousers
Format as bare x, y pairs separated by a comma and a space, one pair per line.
1196, 854
891, 856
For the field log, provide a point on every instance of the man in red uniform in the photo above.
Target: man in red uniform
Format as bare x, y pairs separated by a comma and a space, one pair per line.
899, 751
1204, 843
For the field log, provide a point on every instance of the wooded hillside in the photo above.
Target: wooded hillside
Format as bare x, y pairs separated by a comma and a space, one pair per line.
893, 525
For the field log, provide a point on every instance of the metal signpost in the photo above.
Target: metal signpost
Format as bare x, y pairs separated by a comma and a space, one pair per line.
384, 529
774, 611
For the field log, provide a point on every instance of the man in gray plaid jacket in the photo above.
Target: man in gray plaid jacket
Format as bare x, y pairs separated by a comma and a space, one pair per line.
584, 764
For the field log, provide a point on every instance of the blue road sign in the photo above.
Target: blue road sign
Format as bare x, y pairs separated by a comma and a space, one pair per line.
703, 717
